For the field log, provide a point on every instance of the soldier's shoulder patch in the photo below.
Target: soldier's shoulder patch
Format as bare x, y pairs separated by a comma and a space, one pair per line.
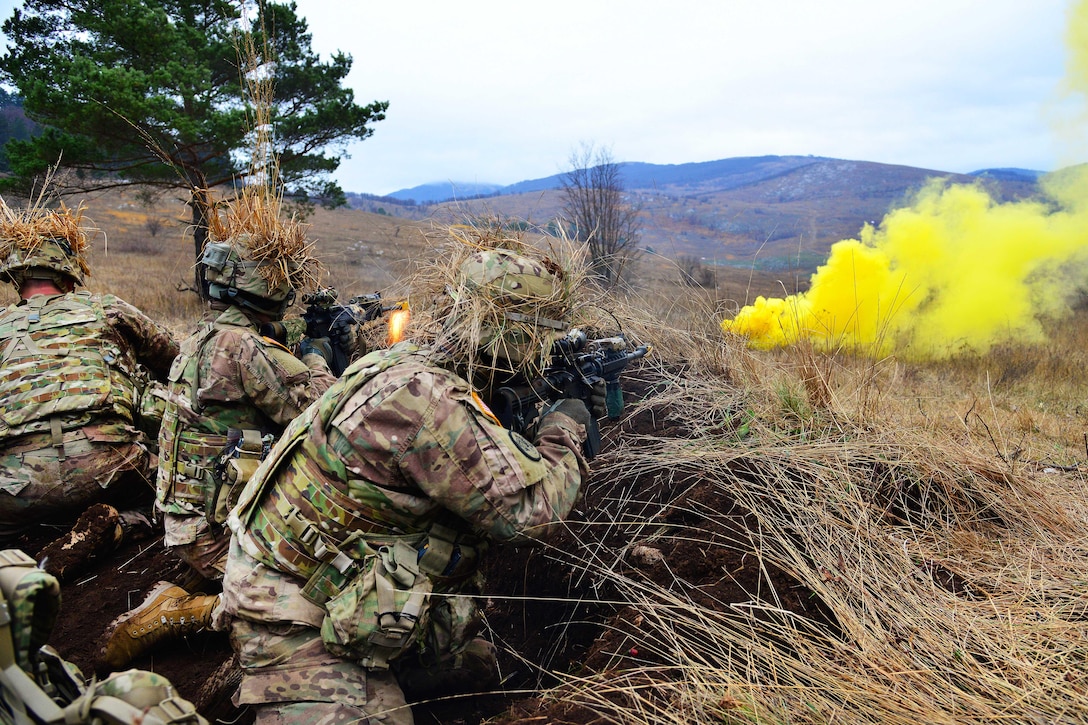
524, 445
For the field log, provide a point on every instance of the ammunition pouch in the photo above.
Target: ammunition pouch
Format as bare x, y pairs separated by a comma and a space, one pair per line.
189, 463
235, 465
380, 613
376, 588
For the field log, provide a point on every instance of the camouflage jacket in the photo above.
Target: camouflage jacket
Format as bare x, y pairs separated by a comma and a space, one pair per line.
78, 359
397, 445
226, 376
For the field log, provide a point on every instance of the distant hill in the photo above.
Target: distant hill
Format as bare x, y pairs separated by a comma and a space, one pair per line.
772, 212
13, 124
446, 191
1009, 174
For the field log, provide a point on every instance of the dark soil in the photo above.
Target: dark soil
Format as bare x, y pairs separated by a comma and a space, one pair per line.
540, 603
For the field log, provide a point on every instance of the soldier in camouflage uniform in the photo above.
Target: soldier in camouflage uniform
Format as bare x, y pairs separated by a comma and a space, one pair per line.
231, 392
73, 376
373, 507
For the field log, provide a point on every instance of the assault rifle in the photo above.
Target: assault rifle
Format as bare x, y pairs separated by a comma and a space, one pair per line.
578, 365
325, 317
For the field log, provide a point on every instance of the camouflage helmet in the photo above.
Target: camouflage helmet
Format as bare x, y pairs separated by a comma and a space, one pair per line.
256, 258
237, 280
510, 308
50, 258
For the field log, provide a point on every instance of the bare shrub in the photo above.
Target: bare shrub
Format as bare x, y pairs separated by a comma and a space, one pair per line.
693, 273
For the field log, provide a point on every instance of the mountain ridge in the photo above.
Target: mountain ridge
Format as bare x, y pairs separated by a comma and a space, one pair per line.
771, 212
721, 173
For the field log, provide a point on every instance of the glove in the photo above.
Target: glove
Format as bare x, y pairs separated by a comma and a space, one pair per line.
342, 335
572, 407
315, 346
598, 407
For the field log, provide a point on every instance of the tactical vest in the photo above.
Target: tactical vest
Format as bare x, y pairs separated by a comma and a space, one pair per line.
296, 519
193, 437
60, 363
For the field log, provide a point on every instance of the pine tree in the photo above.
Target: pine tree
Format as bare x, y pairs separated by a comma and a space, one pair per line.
152, 92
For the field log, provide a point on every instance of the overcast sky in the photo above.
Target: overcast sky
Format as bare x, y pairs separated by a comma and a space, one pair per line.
499, 91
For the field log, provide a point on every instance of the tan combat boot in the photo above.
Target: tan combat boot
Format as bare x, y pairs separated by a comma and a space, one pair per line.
168, 612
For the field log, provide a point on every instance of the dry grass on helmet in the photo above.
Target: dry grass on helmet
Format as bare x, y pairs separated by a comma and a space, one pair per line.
26, 229
253, 222
461, 316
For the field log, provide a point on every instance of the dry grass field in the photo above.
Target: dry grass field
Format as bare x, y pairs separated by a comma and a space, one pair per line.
767, 537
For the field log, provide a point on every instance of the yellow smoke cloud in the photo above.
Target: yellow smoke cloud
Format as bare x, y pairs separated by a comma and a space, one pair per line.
955, 271
952, 272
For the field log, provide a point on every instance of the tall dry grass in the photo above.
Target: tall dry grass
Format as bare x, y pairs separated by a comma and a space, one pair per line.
363, 253
936, 511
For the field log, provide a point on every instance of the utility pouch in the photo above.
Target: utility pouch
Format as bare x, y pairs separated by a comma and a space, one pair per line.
377, 616
236, 464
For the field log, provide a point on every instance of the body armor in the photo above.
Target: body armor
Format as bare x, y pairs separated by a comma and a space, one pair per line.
369, 563
193, 436
61, 362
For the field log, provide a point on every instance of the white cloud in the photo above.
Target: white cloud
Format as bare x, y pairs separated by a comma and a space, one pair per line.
496, 91
501, 92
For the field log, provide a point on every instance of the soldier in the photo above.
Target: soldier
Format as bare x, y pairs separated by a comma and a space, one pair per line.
348, 578
72, 371
231, 392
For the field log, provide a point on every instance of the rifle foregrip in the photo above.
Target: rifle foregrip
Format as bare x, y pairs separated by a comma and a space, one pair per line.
613, 399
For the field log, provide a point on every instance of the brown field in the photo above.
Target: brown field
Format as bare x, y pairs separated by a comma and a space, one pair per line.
766, 538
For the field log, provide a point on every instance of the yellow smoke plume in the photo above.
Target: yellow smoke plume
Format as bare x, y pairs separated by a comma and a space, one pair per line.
953, 272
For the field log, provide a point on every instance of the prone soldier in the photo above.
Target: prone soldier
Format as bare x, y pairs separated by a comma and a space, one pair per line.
348, 582
74, 368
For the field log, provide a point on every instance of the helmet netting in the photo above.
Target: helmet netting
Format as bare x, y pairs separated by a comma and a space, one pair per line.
48, 238
495, 300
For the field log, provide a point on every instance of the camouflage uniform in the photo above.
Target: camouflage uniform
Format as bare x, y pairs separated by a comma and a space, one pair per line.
400, 455
73, 378
226, 377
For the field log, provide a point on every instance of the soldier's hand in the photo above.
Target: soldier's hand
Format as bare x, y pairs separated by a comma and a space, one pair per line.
342, 335
315, 346
598, 407
571, 407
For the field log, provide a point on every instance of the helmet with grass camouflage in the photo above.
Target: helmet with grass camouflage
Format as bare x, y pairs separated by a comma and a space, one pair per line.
48, 258
511, 308
237, 280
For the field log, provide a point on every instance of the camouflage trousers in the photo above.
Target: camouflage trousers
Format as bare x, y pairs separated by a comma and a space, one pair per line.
55, 484
198, 543
291, 679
